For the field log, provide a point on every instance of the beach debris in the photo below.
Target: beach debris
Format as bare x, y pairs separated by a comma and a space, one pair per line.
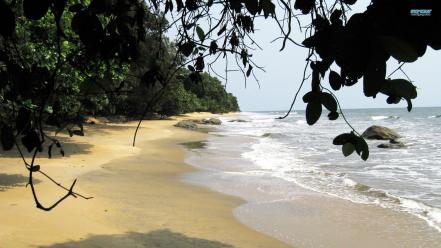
187, 124
380, 133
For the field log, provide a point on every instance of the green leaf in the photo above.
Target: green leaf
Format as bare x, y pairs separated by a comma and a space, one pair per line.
328, 101
400, 49
348, 149
200, 32
313, 112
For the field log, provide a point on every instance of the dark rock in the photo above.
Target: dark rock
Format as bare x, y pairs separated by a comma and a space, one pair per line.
380, 133
208, 121
393, 144
238, 120
186, 124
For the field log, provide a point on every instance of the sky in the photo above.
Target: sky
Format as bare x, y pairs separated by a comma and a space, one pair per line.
284, 73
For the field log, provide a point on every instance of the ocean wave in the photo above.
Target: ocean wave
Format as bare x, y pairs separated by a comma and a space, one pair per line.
383, 117
434, 116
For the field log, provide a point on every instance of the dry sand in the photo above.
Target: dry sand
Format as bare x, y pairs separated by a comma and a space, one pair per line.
139, 201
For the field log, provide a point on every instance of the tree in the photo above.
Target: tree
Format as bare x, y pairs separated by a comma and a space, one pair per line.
52, 51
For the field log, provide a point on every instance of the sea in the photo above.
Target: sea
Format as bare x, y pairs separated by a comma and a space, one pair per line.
278, 155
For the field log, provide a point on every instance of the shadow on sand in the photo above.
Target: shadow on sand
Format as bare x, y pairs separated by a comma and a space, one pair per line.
155, 239
11, 180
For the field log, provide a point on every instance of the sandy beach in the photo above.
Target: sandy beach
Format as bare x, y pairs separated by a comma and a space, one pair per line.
138, 201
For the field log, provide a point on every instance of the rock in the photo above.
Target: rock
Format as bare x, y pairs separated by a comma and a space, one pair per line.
207, 121
238, 120
380, 133
214, 121
393, 144
187, 124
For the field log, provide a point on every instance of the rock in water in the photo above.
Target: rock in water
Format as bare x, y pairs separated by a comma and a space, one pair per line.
380, 133
208, 121
214, 121
238, 120
186, 125
393, 144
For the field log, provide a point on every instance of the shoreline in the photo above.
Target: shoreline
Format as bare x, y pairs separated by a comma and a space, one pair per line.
139, 199
297, 215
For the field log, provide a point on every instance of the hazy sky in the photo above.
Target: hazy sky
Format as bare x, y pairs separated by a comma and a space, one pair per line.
284, 73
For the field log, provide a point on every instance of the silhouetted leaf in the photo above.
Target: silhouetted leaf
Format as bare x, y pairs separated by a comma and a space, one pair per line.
335, 80
335, 16
200, 63
348, 149
180, 5
234, 40
222, 29
31, 140
187, 48
200, 32
7, 20
244, 57
268, 8
328, 101
373, 78
350, 2
399, 87
313, 112
250, 68
362, 148
191, 5
35, 9
7, 138
398, 48
252, 6
333, 116
342, 139
213, 47
304, 5
309, 42
35, 168
191, 68
409, 105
